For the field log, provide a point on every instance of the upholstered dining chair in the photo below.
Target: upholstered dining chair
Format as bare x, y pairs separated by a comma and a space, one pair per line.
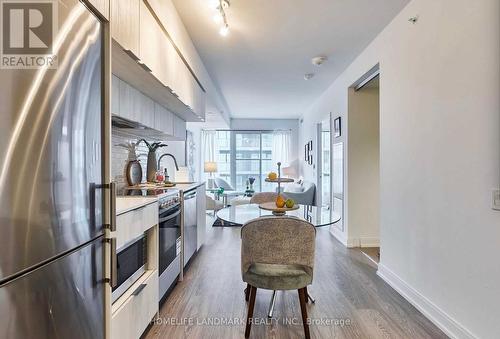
259, 198
277, 253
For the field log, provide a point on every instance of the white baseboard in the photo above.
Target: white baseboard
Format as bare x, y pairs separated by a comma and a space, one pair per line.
339, 235
442, 320
363, 242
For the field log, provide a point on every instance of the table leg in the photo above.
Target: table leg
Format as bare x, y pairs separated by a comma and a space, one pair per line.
271, 305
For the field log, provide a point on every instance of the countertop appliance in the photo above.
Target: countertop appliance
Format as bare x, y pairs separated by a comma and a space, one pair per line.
190, 236
170, 226
51, 247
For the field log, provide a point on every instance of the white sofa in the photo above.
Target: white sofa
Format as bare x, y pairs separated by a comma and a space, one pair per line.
303, 193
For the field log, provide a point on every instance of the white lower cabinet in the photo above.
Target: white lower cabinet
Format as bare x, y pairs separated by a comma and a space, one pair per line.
132, 311
132, 316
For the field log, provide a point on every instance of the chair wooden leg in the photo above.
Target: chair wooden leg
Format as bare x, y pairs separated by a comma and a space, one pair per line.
247, 292
303, 309
251, 304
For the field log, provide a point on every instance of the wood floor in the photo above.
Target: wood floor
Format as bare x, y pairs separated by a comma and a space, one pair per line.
372, 253
351, 300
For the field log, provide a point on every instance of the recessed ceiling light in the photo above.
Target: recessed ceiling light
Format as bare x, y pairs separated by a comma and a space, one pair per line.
308, 76
319, 60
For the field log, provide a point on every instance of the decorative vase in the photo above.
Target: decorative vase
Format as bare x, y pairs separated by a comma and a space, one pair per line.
151, 167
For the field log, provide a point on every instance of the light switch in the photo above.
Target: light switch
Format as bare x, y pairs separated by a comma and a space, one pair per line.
496, 199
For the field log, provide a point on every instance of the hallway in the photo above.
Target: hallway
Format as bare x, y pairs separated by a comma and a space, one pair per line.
351, 301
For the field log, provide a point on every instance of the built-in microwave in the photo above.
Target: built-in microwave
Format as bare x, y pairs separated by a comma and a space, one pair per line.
131, 262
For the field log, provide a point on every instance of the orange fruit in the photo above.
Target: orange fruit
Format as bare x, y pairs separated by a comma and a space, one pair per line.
280, 202
272, 176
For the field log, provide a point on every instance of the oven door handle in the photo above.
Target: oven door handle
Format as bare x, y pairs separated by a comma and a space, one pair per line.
170, 217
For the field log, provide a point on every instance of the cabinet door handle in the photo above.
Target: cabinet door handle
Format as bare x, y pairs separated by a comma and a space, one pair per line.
139, 289
145, 67
132, 54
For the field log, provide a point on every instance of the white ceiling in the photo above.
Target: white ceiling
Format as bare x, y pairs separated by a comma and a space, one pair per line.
260, 66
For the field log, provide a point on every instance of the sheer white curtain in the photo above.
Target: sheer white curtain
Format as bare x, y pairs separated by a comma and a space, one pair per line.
282, 147
208, 148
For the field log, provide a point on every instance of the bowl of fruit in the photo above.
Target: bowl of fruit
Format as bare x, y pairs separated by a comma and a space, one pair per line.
280, 206
274, 177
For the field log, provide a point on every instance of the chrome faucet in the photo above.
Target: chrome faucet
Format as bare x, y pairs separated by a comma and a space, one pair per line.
170, 155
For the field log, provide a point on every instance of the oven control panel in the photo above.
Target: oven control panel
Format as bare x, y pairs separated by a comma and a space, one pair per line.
167, 202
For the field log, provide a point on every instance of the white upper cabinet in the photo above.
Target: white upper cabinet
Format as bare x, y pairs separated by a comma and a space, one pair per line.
159, 53
164, 120
127, 96
179, 128
138, 27
153, 45
147, 111
125, 25
128, 103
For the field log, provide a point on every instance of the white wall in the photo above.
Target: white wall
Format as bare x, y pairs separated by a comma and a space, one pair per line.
439, 146
363, 167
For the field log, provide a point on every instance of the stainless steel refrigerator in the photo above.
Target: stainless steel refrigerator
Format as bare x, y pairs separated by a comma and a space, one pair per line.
51, 232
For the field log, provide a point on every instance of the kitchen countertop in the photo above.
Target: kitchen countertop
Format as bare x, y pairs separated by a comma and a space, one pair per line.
188, 186
126, 204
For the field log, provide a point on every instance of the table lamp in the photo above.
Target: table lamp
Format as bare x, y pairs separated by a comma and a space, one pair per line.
210, 167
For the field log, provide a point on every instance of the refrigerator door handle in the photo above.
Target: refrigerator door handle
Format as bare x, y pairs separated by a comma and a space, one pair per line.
112, 205
114, 263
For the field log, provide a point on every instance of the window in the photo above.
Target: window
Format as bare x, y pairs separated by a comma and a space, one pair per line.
248, 149
224, 155
241, 155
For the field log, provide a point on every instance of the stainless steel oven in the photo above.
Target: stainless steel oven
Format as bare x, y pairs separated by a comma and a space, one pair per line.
170, 242
131, 262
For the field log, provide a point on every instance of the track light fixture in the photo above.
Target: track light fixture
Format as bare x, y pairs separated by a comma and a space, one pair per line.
220, 15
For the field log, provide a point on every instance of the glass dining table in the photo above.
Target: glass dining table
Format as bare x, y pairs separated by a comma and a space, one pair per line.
241, 214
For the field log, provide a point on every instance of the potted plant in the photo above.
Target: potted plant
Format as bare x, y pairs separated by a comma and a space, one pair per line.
151, 167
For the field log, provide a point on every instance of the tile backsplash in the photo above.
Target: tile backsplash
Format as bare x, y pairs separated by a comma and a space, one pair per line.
119, 157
